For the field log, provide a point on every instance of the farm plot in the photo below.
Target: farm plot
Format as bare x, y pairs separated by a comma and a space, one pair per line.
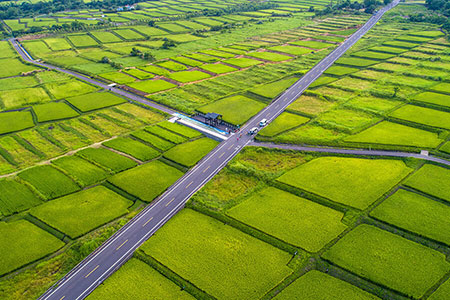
202, 57
340, 70
136, 280
242, 62
217, 53
388, 133
432, 180
416, 213
93, 101
322, 80
344, 179
293, 50
108, 159
312, 44
355, 61
284, 122
69, 88
433, 98
180, 129
155, 70
157, 178
292, 219
13, 83
320, 286
54, 111
269, 56
273, 89
138, 73
231, 263
105, 36
217, 68
312, 134
311, 106
132, 147
227, 107
166, 134
14, 66
187, 61
188, 76
443, 87
22, 243
171, 65
15, 121
79, 213
188, 154
57, 44
15, 197
152, 139
128, 34
423, 115
81, 170
373, 55
23, 97
385, 258
82, 40
118, 77
442, 292
174, 28
152, 86
346, 119
373, 104
49, 182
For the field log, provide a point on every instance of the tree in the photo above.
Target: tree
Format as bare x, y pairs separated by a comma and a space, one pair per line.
168, 44
151, 23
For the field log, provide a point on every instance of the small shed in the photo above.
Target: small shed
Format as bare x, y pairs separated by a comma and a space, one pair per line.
213, 119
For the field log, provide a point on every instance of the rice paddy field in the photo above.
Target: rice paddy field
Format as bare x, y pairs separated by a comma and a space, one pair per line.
77, 162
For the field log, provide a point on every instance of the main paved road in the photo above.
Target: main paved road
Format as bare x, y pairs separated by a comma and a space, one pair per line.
84, 278
26, 56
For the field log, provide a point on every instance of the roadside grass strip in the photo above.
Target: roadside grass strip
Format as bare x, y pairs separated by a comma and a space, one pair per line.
132, 147
136, 280
14, 66
443, 87
22, 243
156, 176
442, 292
433, 98
386, 258
15, 197
152, 139
107, 159
69, 88
50, 182
231, 264
81, 170
295, 220
92, 101
340, 70
152, 86
344, 180
270, 56
165, 134
118, 77
423, 115
54, 111
138, 73
416, 213
188, 76
82, 40
312, 44
320, 286
15, 121
388, 133
242, 62
273, 89
180, 129
235, 110
355, 61
432, 180
217, 68
188, 154
79, 213
293, 50
283, 122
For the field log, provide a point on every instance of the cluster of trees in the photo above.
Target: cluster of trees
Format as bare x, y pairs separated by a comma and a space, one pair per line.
442, 16
144, 55
107, 60
369, 6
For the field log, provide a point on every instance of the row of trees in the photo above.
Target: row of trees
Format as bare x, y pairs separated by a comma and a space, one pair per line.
369, 6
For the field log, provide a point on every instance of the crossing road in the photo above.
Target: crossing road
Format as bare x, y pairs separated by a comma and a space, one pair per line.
93, 270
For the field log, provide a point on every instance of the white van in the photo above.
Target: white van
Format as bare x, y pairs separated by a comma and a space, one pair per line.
253, 131
263, 123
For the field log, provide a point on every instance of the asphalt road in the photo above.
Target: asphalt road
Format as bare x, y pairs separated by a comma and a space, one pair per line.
93, 270
26, 56
383, 153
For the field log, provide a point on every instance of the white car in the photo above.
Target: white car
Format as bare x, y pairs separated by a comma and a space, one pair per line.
263, 123
253, 131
